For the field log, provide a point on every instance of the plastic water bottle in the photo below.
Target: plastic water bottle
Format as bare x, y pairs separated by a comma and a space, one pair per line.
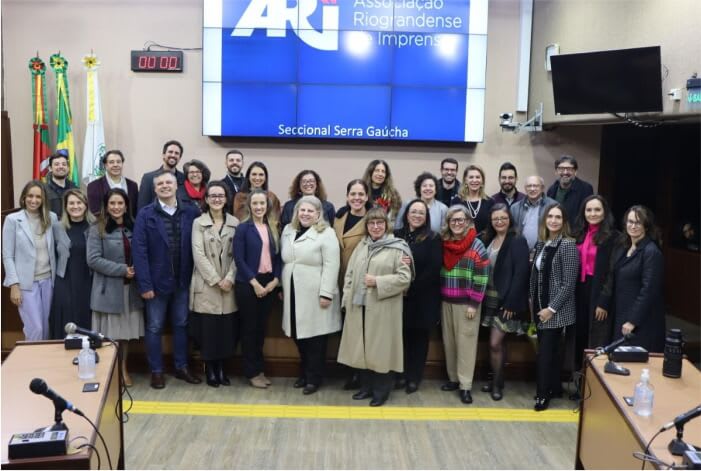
86, 361
644, 395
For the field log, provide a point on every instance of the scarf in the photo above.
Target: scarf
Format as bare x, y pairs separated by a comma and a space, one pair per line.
453, 250
386, 242
193, 192
587, 253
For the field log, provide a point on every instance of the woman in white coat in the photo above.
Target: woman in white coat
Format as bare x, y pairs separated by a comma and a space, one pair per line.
29, 257
311, 307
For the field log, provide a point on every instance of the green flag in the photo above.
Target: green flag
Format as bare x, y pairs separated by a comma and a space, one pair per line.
64, 120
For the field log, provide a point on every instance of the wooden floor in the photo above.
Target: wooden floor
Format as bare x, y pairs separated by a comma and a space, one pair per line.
198, 427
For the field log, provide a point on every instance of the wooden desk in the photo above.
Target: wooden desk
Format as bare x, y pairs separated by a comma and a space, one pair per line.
609, 430
24, 411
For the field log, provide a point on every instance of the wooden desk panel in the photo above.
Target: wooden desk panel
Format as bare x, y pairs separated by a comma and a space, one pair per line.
24, 411
609, 431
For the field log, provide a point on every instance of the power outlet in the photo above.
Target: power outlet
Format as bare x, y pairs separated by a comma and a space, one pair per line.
675, 94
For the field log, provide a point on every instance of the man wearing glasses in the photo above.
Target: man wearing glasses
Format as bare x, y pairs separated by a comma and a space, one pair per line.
568, 190
447, 185
528, 211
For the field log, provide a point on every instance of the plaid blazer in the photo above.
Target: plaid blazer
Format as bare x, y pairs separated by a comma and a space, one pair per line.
562, 280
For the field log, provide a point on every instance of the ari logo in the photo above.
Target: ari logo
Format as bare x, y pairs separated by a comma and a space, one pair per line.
273, 16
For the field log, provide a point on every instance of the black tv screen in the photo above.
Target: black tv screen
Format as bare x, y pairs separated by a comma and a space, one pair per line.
618, 81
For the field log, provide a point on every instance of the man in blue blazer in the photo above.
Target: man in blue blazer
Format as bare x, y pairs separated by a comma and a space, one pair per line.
162, 252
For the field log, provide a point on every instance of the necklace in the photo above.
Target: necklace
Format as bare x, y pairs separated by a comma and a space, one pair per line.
472, 210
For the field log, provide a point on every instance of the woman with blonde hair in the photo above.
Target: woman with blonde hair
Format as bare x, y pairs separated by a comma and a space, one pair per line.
311, 307
474, 198
71, 301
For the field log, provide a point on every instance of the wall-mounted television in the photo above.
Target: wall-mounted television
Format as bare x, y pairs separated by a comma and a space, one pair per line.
391, 70
616, 81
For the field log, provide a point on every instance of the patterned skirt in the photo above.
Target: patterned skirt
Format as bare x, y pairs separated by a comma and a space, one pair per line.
494, 317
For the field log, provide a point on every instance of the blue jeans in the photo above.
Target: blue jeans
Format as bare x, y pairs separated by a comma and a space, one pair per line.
156, 311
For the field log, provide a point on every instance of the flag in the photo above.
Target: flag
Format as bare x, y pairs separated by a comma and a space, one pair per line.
64, 120
94, 147
41, 129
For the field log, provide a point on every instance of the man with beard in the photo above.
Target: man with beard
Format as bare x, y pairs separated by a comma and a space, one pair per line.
57, 182
447, 185
507, 181
568, 190
234, 177
172, 153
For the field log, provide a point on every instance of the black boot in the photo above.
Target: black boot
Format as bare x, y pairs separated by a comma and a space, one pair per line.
210, 371
497, 387
221, 374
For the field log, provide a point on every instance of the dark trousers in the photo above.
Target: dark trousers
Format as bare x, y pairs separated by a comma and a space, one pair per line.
379, 384
548, 363
415, 353
581, 326
312, 353
254, 313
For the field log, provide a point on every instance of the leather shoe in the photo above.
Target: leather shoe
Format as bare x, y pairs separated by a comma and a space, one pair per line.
300, 383
378, 401
360, 395
186, 376
541, 404
450, 386
352, 383
211, 374
497, 394
310, 389
157, 381
465, 396
221, 374
411, 387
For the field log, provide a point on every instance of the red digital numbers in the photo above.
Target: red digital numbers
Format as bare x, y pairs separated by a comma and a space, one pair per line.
147, 62
168, 63
155, 62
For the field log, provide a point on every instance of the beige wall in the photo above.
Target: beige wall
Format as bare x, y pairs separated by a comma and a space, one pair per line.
142, 111
593, 25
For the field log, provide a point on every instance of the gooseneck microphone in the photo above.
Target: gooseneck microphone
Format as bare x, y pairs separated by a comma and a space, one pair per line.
39, 386
682, 419
615, 344
71, 328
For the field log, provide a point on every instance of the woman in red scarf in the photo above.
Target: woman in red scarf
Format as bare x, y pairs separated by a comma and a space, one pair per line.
464, 277
196, 178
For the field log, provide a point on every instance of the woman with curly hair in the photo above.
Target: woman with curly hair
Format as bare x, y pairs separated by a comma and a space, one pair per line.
307, 183
383, 194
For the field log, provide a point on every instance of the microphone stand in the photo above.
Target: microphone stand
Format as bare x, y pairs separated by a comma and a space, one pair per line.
614, 368
58, 420
677, 446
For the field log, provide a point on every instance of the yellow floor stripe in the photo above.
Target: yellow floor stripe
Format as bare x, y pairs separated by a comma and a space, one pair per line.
353, 413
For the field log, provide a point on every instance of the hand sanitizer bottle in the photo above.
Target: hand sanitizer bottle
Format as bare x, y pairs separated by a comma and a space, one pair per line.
644, 395
86, 361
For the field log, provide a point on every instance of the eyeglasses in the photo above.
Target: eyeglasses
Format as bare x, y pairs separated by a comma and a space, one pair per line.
308, 181
379, 223
216, 197
457, 220
500, 219
565, 169
634, 223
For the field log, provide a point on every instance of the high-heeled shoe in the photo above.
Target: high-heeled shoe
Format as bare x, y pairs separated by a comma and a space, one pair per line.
221, 374
211, 374
541, 403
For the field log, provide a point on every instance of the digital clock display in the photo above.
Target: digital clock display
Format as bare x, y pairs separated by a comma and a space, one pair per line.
157, 61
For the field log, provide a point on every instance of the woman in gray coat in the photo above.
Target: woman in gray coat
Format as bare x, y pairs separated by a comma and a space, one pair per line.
115, 301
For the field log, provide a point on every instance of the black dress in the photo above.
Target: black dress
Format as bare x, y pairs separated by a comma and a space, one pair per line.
71, 300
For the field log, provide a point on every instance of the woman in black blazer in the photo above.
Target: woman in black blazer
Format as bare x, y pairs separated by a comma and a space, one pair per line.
552, 287
422, 302
505, 305
258, 271
637, 282
596, 237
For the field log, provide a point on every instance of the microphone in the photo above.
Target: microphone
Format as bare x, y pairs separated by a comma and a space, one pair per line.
39, 386
71, 328
615, 344
682, 419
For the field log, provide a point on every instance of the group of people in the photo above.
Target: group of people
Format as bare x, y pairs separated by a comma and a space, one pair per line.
212, 256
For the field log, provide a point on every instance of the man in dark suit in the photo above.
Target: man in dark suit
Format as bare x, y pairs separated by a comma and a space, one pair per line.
234, 177
113, 161
568, 190
448, 185
57, 182
172, 153
162, 253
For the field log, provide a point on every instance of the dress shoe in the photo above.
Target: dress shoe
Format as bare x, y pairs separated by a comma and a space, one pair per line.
411, 387
352, 383
258, 382
267, 381
157, 381
378, 401
186, 376
310, 389
541, 404
450, 386
221, 374
360, 395
210, 374
300, 383
400, 383
465, 396
497, 393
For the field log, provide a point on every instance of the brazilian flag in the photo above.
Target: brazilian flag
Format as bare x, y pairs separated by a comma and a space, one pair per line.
64, 120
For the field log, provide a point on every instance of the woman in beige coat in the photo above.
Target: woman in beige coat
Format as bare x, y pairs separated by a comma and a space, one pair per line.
213, 321
375, 282
311, 307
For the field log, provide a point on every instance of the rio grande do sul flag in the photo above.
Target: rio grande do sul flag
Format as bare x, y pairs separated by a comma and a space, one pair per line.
64, 120
94, 147
42, 150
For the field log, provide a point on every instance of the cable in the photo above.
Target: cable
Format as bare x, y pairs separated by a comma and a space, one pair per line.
149, 44
637, 123
647, 449
109, 458
97, 453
